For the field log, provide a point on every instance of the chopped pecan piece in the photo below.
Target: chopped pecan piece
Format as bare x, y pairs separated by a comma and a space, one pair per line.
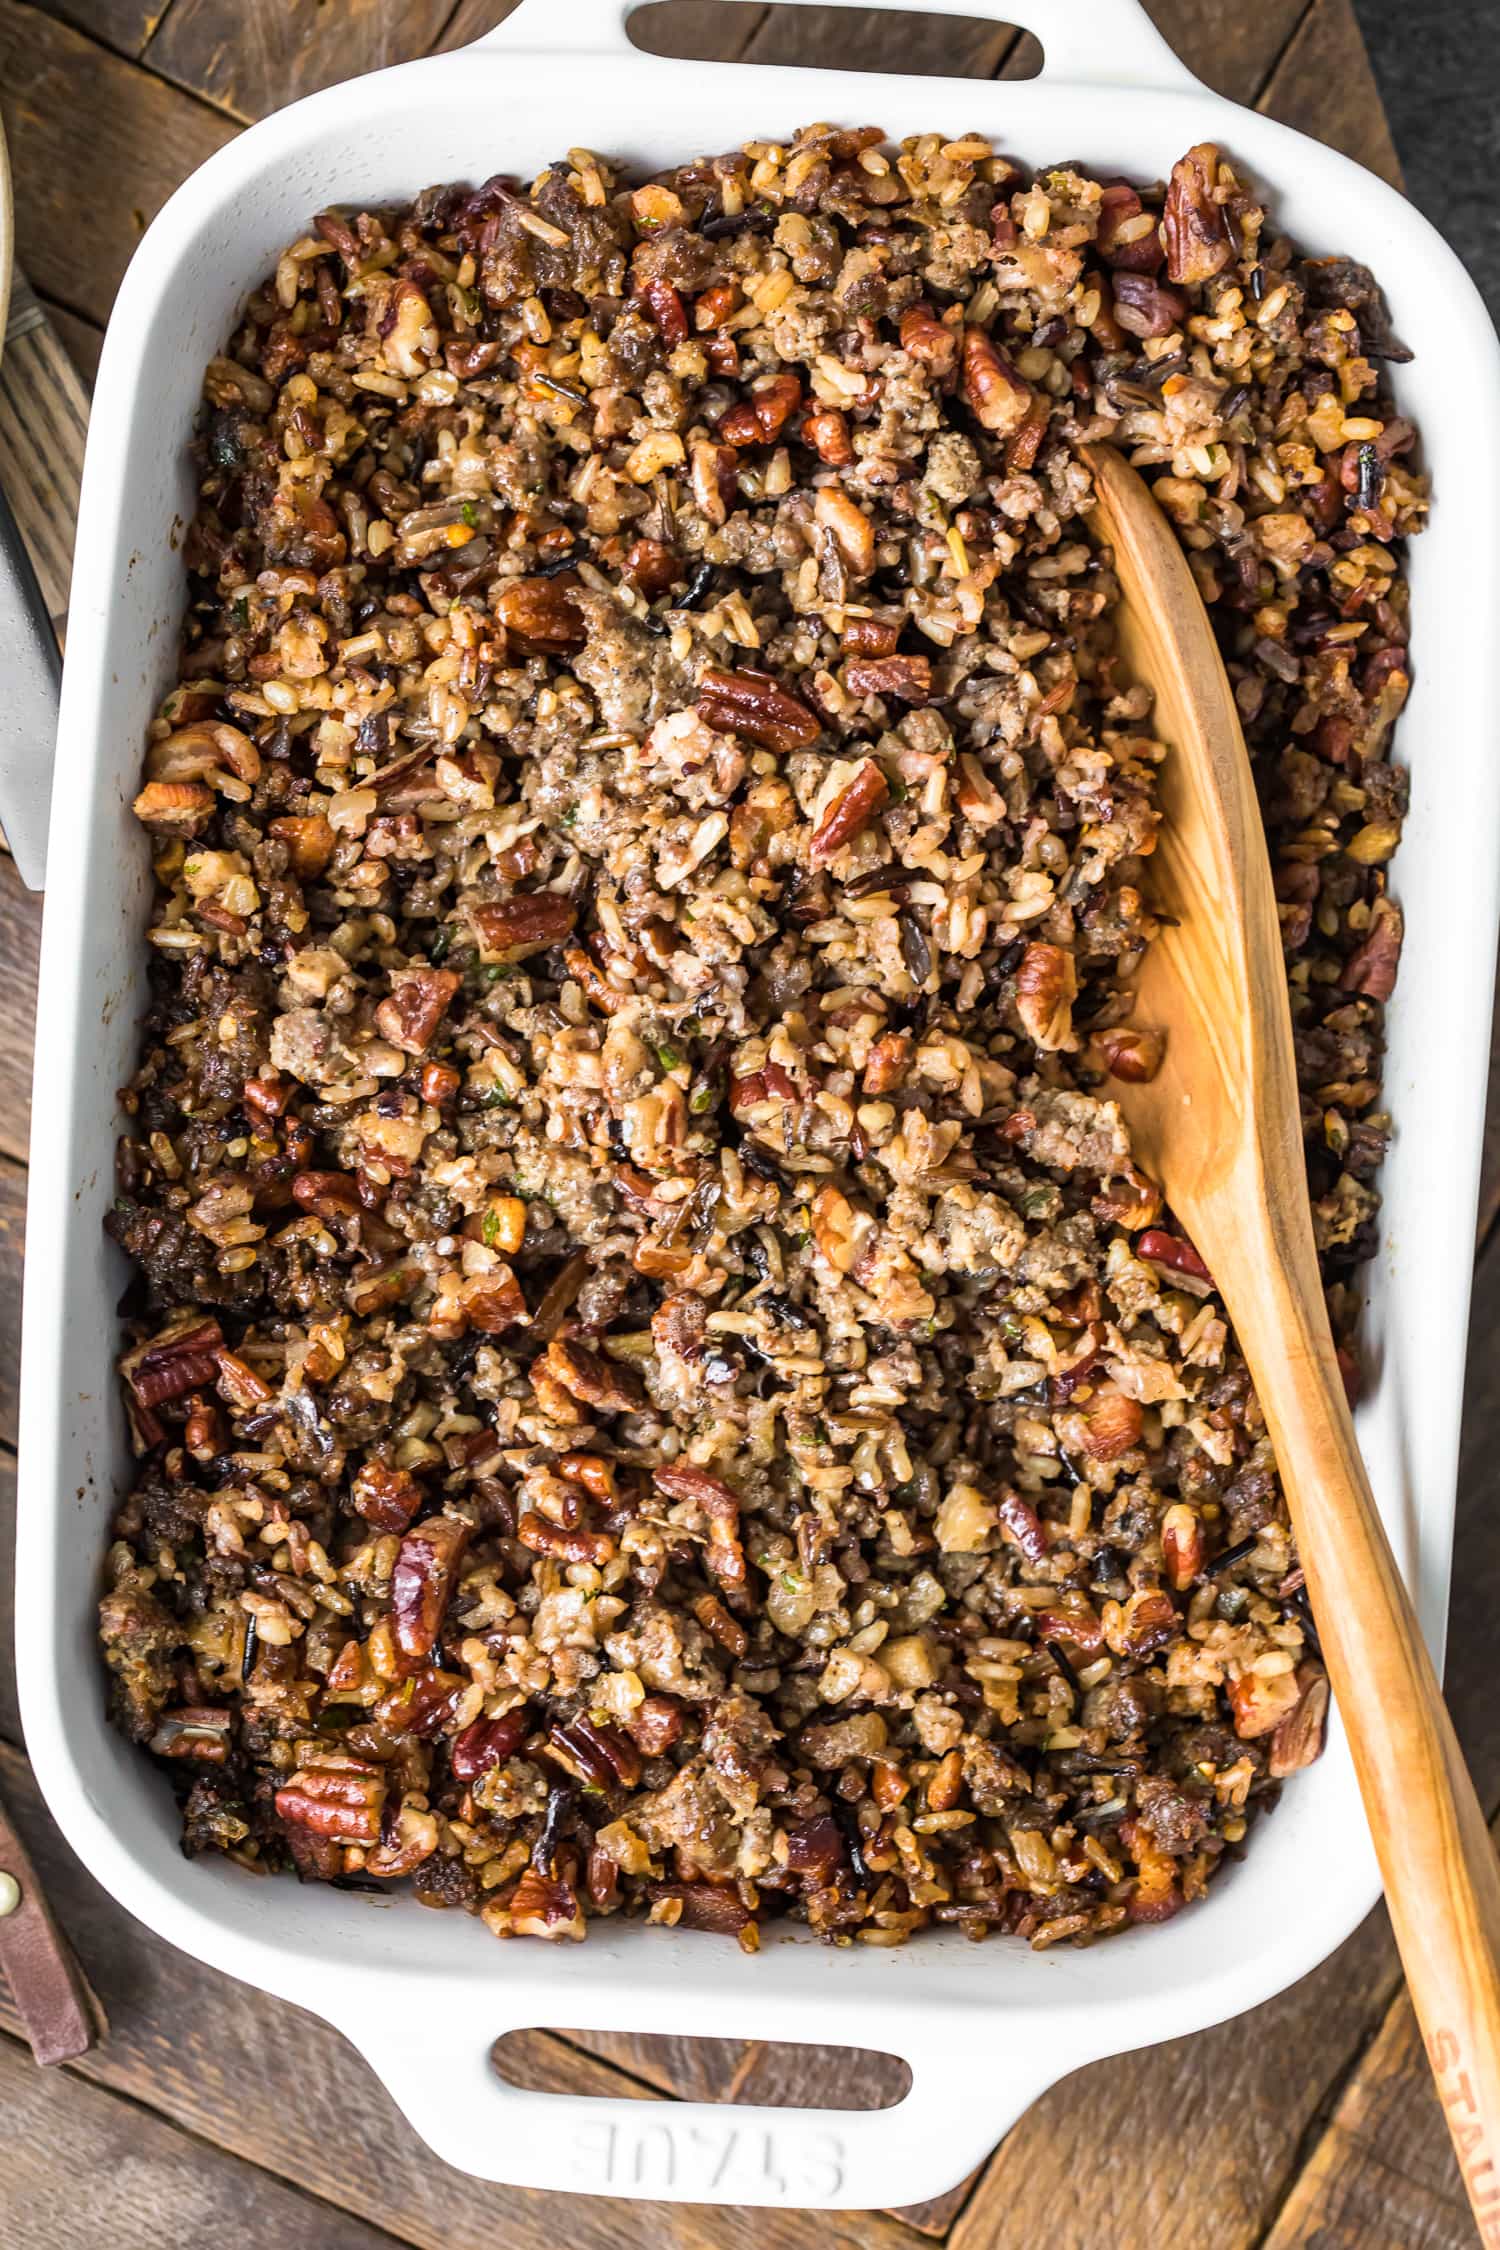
928, 339
418, 1002
705, 1906
421, 1705
1298, 1739
387, 1498
907, 678
1128, 236
575, 1545
309, 841
1172, 1251
1371, 968
720, 1506
523, 924
827, 432
888, 1062
652, 566
1182, 1544
850, 811
1112, 1425
544, 1906
871, 636
655, 1724
667, 310
597, 1381
753, 705
761, 418
542, 614
1144, 308
1132, 1056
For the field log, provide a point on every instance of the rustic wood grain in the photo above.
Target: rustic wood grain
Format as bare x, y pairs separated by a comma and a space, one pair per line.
219, 2060
81, 339
12, 1232
699, 30
1382, 2176
96, 147
251, 60
951, 45
20, 939
82, 2166
10, 1709
1323, 85
1231, 48
44, 416
125, 25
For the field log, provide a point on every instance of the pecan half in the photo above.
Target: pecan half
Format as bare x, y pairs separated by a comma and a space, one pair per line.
601, 1754
577, 1545
422, 1583
544, 1906
753, 705
1046, 987
179, 808
417, 1005
343, 1804
992, 389
1193, 225
1020, 1521
489, 1742
850, 811
421, 1705
871, 636
523, 924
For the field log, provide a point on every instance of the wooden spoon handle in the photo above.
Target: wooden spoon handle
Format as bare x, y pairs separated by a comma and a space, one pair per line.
1442, 1876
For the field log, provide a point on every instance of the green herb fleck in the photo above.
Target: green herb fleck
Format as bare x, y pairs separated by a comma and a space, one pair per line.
897, 789
570, 817
497, 1098
793, 1581
668, 1057
490, 1229
470, 514
496, 971
1036, 1202
442, 939
242, 612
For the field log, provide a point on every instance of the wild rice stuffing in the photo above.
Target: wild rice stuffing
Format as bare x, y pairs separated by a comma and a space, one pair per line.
658, 1387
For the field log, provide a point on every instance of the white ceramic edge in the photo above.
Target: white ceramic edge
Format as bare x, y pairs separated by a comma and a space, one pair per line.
908, 2001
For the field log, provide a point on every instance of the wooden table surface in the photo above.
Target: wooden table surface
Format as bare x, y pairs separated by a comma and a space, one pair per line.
209, 2106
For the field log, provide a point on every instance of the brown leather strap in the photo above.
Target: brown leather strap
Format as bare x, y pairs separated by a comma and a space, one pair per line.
45, 1980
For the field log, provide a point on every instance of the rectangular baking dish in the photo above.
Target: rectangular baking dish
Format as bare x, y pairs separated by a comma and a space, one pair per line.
424, 1995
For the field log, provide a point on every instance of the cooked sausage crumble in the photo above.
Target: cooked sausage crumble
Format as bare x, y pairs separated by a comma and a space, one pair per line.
658, 1386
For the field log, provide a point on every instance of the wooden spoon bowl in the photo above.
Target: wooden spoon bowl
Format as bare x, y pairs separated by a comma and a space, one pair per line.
1218, 1127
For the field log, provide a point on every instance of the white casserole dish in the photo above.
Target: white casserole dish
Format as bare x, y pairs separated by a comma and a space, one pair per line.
423, 1995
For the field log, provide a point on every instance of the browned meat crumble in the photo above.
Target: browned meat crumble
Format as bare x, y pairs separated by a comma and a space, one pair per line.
658, 1386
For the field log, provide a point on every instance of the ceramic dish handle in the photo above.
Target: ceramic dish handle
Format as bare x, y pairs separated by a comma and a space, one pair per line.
1084, 42
958, 2106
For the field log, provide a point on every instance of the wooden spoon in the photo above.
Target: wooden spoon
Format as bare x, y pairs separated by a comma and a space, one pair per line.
1218, 1127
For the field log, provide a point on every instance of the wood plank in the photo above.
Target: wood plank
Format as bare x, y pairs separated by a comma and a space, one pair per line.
1323, 85
85, 197
44, 413
1383, 2174
1233, 49
12, 1232
252, 60
83, 2167
700, 30
83, 340
217, 2058
949, 45
10, 1709
125, 25
20, 939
